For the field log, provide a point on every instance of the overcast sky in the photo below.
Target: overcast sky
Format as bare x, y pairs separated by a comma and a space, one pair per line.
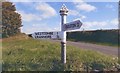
44, 16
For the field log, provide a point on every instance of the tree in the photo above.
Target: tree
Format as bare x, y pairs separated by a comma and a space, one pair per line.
11, 20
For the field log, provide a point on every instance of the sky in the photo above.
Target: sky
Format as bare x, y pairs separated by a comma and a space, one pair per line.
45, 16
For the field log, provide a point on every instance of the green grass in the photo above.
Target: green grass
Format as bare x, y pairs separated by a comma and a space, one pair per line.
21, 53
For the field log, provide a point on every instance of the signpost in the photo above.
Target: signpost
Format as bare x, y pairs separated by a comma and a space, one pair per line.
64, 27
63, 13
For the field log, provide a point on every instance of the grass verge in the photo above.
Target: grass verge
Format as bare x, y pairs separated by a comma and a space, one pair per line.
21, 53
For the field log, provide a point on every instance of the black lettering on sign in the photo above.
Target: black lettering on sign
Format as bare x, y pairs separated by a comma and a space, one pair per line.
43, 37
50, 33
71, 26
43, 33
36, 36
48, 36
36, 33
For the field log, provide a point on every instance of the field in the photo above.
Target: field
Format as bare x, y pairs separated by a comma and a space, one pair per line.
21, 53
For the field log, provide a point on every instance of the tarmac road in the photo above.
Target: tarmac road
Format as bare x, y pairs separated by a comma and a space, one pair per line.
112, 51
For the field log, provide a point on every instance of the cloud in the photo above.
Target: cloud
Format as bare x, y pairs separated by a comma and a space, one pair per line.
29, 16
82, 17
42, 11
94, 24
114, 21
109, 24
42, 27
46, 9
75, 1
76, 13
39, 27
84, 6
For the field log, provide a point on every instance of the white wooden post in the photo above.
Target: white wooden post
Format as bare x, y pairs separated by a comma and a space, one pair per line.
63, 13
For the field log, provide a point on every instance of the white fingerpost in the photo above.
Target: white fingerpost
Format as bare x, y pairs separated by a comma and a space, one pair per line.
63, 13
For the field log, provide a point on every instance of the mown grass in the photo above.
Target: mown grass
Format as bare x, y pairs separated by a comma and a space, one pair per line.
21, 53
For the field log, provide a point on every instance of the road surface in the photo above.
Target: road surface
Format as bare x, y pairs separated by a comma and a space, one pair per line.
113, 51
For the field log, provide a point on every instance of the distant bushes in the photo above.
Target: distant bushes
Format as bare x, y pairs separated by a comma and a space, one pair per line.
99, 36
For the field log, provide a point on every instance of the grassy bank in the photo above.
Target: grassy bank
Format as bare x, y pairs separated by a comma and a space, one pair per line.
21, 53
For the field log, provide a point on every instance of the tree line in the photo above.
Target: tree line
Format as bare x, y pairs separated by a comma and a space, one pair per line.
11, 20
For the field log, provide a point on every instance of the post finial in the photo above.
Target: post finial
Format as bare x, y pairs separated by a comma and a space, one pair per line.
63, 10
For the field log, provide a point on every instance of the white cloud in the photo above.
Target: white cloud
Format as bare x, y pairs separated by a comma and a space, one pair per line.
75, 1
86, 7
83, 17
29, 16
114, 21
94, 24
40, 27
74, 12
46, 9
